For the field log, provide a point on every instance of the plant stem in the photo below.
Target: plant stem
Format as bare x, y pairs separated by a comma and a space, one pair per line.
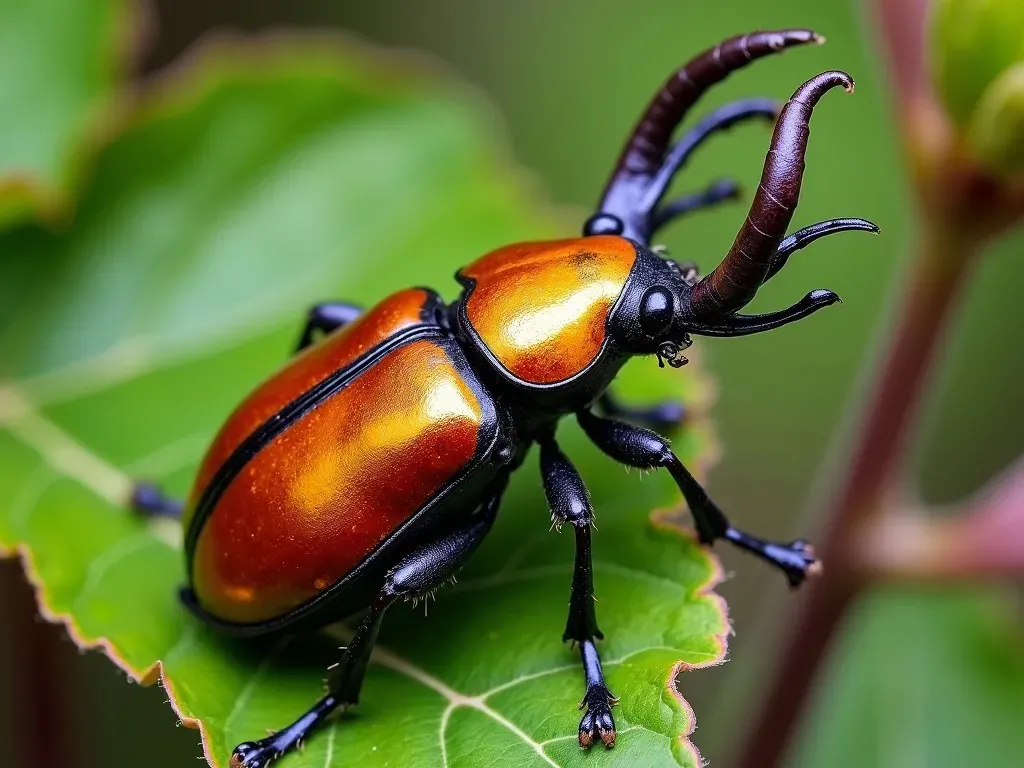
876, 458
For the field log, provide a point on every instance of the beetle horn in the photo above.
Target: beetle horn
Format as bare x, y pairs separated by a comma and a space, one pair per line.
636, 186
733, 283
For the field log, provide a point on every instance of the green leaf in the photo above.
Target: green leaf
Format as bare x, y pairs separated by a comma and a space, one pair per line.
61, 62
930, 678
973, 41
262, 180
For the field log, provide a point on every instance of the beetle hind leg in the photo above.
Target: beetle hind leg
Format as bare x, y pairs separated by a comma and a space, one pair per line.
150, 501
567, 496
416, 575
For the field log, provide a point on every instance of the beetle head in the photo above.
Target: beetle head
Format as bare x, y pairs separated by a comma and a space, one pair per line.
652, 316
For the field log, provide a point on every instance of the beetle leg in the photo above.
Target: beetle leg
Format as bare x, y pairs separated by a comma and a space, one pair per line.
325, 318
660, 416
150, 501
569, 501
417, 574
714, 194
642, 448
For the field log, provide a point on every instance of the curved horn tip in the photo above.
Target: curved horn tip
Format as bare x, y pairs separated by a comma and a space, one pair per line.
794, 37
823, 297
810, 92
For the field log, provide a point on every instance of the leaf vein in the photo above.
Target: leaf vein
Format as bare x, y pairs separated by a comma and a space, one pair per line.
242, 701
100, 566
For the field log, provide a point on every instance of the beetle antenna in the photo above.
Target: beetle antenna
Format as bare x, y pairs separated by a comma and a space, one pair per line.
647, 163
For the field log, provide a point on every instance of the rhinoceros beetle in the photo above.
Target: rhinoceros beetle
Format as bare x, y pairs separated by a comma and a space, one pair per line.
371, 466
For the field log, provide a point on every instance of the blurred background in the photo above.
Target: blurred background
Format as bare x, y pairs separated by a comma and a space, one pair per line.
569, 79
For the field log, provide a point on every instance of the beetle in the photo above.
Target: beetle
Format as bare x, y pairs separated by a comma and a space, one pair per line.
370, 467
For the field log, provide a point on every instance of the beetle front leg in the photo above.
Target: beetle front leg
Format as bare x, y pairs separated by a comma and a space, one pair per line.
660, 416
570, 503
644, 449
326, 317
150, 501
418, 574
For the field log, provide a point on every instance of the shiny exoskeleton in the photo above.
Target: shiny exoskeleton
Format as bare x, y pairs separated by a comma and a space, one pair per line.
368, 469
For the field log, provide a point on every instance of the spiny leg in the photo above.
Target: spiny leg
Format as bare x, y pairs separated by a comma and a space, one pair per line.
570, 503
642, 448
659, 416
343, 685
325, 318
415, 576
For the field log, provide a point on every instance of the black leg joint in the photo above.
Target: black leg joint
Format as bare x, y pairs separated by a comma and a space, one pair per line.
642, 448
628, 444
566, 493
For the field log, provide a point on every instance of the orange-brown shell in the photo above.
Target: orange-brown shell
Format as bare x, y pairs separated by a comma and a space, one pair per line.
395, 313
541, 308
322, 494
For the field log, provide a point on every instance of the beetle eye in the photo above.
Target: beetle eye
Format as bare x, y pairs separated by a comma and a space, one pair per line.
656, 311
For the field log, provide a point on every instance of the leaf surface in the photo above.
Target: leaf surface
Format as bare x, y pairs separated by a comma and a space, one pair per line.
61, 63
257, 181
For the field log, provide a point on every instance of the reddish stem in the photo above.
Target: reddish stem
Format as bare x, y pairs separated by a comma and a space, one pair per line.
879, 448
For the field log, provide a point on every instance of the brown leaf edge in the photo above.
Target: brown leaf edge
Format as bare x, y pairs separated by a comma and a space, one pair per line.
22, 194
220, 54
674, 520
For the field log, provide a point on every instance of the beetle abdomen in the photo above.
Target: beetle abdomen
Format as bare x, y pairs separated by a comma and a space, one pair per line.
540, 309
322, 493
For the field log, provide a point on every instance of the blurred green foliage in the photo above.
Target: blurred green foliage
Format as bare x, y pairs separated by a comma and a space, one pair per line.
998, 123
923, 678
973, 42
978, 56
59, 62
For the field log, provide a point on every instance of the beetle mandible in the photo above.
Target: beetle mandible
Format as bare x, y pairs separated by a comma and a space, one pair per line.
369, 468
